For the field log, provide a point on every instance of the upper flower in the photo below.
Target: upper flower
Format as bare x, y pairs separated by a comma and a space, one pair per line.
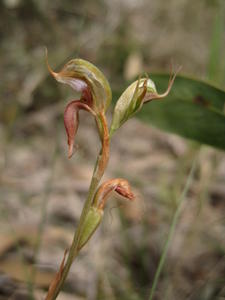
84, 77
95, 91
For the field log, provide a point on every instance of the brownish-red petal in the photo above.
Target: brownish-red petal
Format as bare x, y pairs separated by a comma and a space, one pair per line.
71, 121
124, 192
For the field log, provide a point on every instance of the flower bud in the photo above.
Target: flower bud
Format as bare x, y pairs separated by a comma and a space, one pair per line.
95, 214
130, 102
119, 185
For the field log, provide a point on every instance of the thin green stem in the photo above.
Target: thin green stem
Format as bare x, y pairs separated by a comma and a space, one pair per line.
172, 228
100, 166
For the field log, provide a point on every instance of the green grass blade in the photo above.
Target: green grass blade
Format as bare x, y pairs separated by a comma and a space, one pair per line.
215, 68
172, 229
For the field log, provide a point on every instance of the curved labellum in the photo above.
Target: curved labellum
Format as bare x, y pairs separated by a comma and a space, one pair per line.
119, 185
84, 77
130, 102
151, 89
71, 121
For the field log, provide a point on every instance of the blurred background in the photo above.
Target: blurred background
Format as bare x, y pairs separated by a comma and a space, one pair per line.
42, 192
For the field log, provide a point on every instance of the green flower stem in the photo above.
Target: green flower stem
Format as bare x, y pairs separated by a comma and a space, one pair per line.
100, 166
172, 229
